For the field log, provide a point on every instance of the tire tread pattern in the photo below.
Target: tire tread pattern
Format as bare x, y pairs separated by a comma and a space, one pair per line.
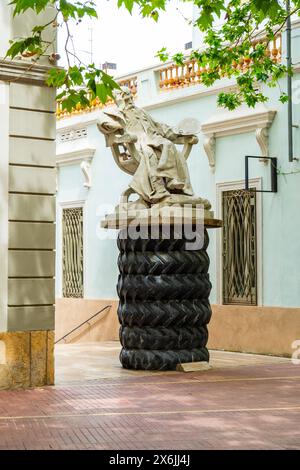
172, 243
164, 301
142, 359
165, 313
156, 263
163, 287
163, 338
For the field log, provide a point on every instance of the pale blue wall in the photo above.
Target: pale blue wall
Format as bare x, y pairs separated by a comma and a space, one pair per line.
100, 255
280, 215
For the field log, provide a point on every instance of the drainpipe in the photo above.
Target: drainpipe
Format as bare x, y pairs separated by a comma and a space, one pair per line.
289, 82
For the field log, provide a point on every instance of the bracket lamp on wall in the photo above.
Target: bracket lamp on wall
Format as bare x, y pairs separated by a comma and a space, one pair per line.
273, 168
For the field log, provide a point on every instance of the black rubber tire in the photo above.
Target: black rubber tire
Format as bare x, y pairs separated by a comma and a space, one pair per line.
164, 308
141, 359
164, 243
163, 338
164, 287
165, 313
156, 263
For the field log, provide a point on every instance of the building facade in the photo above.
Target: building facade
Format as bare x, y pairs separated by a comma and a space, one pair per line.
27, 212
254, 269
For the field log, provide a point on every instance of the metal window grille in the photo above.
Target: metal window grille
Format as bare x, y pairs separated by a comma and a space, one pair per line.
72, 225
239, 247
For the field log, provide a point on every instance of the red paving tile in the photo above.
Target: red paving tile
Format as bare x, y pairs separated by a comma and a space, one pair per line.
253, 407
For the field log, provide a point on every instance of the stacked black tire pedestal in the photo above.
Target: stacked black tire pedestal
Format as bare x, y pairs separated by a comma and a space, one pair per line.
164, 301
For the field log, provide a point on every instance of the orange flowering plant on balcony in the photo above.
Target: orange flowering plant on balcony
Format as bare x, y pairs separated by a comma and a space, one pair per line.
233, 46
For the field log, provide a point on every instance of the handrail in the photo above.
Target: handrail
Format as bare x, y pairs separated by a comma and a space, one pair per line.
83, 323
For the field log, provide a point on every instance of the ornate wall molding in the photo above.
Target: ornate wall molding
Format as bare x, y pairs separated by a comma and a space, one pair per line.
72, 134
87, 174
262, 137
83, 156
210, 149
237, 122
75, 156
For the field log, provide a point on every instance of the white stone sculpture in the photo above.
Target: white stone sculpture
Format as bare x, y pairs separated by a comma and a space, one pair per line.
146, 149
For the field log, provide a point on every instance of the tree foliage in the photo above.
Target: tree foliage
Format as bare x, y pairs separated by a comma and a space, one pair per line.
231, 29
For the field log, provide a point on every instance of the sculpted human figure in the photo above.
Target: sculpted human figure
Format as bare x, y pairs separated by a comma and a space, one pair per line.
161, 175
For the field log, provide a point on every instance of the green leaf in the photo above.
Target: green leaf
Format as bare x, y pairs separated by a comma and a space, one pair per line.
179, 58
163, 54
226, 45
284, 98
31, 45
56, 78
76, 76
77, 10
101, 92
127, 3
20, 6
229, 100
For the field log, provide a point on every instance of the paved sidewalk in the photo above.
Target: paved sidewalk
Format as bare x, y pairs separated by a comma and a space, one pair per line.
249, 404
81, 362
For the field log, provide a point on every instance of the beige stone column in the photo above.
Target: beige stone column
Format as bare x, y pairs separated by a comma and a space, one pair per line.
27, 216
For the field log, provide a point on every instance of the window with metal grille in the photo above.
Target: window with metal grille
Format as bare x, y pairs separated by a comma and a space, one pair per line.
239, 247
72, 226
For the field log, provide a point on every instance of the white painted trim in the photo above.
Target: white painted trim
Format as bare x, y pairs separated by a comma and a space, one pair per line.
84, 157
296, 69
4, 187
78, 121
161, 98
67, 205
23, 71
256, 120
228, 186
164, 98
238, 122
75, 156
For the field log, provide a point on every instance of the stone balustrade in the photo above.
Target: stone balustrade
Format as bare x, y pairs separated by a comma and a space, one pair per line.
94, 103
170, 77
180, 76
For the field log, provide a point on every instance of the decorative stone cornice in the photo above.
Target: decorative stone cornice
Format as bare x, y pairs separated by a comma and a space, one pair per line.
22, 71
238, 122
75, 156
83, 156
87, 173
209, 145
262, 137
